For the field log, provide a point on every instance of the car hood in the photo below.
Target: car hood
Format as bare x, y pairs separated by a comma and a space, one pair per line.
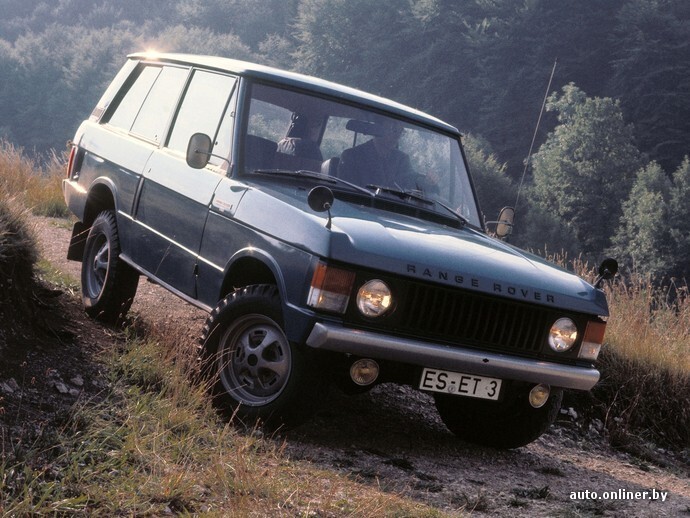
424, 250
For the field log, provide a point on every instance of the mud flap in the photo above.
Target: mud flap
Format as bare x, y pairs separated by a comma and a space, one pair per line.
80, 232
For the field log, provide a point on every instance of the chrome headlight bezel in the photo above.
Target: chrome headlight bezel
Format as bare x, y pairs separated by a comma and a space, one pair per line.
374, 299
562, 335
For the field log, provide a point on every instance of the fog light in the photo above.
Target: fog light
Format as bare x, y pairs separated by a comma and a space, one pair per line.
539, 395
364, 372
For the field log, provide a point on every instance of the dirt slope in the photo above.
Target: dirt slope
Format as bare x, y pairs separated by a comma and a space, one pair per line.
391, 437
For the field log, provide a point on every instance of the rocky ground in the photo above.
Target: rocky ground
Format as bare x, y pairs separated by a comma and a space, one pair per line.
390, 437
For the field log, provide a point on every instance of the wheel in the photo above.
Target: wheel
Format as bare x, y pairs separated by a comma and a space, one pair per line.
257, 373
108, 284
510, 423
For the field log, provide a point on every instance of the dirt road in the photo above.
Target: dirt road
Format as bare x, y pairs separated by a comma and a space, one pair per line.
392, 438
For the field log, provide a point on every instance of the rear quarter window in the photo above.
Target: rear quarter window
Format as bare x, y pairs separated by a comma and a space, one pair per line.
147, 106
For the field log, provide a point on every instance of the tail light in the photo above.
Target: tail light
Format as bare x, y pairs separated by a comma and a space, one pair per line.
70, 162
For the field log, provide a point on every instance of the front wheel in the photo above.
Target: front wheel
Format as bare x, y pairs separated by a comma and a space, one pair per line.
257, 373
510, 423
108, 284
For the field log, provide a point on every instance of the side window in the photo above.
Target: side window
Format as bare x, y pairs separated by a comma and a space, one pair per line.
223, 143
126, 111
159, 104
267, 120
202, 108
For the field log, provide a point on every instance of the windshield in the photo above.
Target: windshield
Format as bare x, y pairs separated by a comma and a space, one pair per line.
291, 131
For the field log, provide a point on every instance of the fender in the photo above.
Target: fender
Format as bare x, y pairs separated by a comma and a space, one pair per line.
297, 319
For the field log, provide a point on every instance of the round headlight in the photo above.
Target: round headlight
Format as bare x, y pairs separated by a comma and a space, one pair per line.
374, 298
562, 335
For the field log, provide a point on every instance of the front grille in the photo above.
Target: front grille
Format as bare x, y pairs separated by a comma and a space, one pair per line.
473, 320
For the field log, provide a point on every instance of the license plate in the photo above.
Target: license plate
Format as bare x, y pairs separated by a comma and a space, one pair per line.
459, 384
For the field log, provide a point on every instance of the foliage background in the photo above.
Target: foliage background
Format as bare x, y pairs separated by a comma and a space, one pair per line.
610, 172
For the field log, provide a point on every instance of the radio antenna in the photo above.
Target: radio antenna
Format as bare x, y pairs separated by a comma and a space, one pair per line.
534, 137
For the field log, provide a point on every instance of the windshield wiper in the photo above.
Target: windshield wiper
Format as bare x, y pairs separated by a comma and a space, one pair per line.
402, 193
304, 173
417, 196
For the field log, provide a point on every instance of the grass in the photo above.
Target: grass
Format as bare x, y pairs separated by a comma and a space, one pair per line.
644, 392
156, 446
18, 256
645, 387
34, 186
651, 325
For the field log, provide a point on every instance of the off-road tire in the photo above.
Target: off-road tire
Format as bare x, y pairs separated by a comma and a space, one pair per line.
510, 423
108, 284
256, 373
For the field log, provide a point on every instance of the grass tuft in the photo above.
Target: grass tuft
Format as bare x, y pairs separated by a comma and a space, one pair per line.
37, 187
644, 391
18, 257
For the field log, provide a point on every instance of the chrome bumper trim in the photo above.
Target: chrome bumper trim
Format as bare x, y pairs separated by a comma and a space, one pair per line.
378, 346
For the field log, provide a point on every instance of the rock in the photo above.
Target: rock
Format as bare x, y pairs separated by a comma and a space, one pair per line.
597, 425
10, 386
77, 381
61, 387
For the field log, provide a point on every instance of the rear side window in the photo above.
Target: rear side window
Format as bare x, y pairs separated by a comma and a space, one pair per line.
204, 104
147, 106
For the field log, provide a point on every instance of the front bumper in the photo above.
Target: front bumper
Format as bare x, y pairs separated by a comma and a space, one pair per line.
374, 345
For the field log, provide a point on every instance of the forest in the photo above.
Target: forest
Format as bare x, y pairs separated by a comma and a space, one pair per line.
609, 173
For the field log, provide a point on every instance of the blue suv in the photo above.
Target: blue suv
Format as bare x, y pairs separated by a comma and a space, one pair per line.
332, 236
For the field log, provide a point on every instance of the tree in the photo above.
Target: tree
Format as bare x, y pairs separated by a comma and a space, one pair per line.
679, 221
585, 169
654, 234
514, 56
651, 51
643, 240
252, 20
355, 42
195, 40
495, 189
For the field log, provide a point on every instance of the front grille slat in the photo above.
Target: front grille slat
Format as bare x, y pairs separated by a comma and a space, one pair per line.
472, 319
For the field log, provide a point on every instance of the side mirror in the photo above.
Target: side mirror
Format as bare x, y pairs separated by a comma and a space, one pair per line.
320, 199
607, 270
199, 151
504, 225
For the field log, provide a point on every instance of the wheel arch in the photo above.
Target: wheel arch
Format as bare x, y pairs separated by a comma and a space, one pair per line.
251, 266
101, 197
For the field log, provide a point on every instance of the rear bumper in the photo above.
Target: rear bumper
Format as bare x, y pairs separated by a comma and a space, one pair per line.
378, 346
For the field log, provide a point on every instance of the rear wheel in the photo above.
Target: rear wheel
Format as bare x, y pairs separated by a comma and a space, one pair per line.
108, 284
257, 373
510, 423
